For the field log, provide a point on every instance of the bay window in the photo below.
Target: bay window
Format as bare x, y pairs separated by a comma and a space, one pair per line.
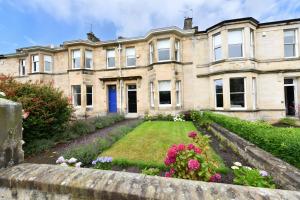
151, 53
219, 93
130, 57
22, 66
164, 92
35, 64
76, 59
235, 43
237, 92
177, 50
110, 58
163, 49
47, 63
89, 96
217, 44
76, 95
88, 59
251, 43
290, 43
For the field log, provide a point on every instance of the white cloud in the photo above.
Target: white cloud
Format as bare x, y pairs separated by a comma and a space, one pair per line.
135, 17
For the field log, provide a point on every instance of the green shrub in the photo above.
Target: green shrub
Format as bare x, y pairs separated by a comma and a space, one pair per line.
37, 146
104, 121
151, 171
288, 121
283, 143
48, 109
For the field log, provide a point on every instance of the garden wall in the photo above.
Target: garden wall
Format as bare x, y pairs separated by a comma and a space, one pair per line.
284, 174
33, 181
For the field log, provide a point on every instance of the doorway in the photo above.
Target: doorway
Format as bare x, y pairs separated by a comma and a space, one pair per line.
131, 98
112, 98
290, 96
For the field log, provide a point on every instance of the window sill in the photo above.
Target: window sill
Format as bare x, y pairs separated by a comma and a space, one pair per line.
165, 105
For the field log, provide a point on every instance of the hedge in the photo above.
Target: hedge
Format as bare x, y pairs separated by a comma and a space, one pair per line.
283, 143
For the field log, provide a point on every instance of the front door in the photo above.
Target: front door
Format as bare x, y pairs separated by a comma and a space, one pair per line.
289, 93
112, 99
131, 94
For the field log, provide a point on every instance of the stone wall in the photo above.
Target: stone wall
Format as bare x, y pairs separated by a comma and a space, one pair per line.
285, 175
33, 181
10, 133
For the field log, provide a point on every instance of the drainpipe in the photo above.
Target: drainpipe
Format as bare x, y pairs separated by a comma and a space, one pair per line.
120, 75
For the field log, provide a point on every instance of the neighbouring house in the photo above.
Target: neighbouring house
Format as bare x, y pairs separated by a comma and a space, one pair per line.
239, 67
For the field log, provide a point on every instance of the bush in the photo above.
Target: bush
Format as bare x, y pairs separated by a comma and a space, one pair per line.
151, 171
101, 122
288, 121
283, 143
36, 146
48, 109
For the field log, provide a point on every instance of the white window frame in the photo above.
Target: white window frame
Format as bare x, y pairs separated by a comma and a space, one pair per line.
151, 53
89, 106
74, 58
107, 58
22, 67
86, 52
245, 94
159, 90
130, 56
151, 95
252, 43
295, 44
215, 91
243, 46
215, 47
35, 64
254, 93
73, 96
162, 49
178, 92
50, 61
177, 48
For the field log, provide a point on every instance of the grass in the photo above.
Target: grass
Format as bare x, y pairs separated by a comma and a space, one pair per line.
149, 142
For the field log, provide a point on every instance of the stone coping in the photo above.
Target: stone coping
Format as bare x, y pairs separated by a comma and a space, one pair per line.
47, 181
284, 174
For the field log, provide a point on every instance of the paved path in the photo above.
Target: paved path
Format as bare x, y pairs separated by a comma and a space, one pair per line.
50, 156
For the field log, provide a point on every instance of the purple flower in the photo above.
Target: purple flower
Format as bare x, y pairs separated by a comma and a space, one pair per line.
215, 178
263, 173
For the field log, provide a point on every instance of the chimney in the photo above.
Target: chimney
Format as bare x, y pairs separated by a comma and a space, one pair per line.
92, 37
188, 23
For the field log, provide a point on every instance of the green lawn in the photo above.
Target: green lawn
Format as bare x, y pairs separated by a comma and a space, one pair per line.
149, 142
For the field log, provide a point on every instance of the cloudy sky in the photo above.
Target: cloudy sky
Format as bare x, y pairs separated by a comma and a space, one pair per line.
44, 22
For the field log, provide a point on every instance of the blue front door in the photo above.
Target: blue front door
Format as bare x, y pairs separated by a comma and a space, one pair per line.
112, 99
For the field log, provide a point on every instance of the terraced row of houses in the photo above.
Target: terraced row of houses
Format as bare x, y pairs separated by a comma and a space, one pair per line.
239, 67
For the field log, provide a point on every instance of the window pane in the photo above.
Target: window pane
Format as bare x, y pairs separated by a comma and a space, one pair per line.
235, 37
130, 61
163, 54
163, 44
47, 66
88, 63
237, 100
76, 53
76, 95
89, 95
289, 37
289, 50
130, 51
288, 81
218, 53
219, 100
111, 62
164, 97
236, 85
235, 50
76, 62
110, 53
219, 86
164, 85
217, 40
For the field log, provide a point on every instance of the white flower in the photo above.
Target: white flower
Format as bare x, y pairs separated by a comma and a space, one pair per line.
249, 168
234, 167
2, 94
237, 164
64, 165
72, 160
60, 160
77, 165
263, 173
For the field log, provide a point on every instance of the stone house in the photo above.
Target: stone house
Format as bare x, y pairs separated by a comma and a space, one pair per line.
239, 67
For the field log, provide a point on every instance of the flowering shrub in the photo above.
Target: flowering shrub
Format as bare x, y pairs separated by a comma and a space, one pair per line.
191, 161
72, 162
102, 163
179, 118
245, 175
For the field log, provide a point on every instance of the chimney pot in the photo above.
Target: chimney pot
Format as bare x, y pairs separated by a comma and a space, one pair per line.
92, 37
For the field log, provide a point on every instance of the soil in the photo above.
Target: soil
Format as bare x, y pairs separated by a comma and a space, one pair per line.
50, 156
226, 153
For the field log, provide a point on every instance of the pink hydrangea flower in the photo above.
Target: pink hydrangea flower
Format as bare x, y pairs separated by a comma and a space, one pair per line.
168, 174
197, 150
215, 178
191, 147
172, 152
172, 171
192, 134
168, 161
181, 147
193, 164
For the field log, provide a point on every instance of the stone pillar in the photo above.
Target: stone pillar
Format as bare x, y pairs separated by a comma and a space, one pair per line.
11, 152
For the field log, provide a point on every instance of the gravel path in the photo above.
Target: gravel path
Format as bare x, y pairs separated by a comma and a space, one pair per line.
50, 156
